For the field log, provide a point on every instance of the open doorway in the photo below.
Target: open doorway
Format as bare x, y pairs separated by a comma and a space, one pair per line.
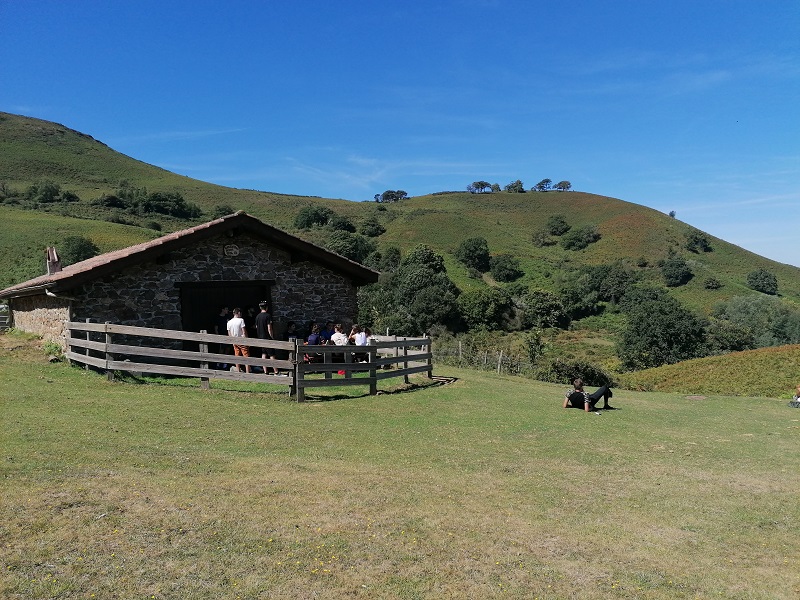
201, 301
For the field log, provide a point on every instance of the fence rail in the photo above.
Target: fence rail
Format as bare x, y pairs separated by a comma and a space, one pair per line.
110, 347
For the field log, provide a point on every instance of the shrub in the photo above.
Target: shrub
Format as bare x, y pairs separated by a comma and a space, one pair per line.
578, 239
565, 371
76, 248
350, 245
543, 308
542, 239
659, 330
557, 225
371, 227
484, 308
712, 283
310, 216
696, 241
390, 259
474, 253
221, 210
773, 321
505, 268
676, 271
762, 280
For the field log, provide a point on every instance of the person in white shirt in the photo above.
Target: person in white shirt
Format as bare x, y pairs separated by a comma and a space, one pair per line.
339, 338
358, 336
237, 329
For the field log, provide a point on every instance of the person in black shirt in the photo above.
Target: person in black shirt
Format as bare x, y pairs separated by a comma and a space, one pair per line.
264, 331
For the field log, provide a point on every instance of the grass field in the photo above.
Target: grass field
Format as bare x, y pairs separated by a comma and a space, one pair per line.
480, 488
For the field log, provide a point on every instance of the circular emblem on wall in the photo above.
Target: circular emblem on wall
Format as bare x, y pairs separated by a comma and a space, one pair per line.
231, 250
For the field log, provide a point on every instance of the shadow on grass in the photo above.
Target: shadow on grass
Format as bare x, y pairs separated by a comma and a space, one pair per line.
259, 388
433, 382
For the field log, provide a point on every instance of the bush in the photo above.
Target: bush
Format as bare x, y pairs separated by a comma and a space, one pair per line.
485, 308
311, 216
676, 271
506, 268
762, 280
543, 308
773, 321
557, 225
350, 245
76, 248
474, 253
696, 241
659, 330
371, 227
578, 239
565, 371
542, 239
222, 210
712, 283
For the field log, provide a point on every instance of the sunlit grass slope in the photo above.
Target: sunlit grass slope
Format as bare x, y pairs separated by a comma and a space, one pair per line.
482, 488
764, 372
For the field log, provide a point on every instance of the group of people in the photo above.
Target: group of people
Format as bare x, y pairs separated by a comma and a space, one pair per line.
250, 323
258, 324
331, 333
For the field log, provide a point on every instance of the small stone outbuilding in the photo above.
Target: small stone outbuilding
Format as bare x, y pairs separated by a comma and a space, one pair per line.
180, 281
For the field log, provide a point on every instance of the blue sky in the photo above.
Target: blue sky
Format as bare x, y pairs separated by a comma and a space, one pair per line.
691, 106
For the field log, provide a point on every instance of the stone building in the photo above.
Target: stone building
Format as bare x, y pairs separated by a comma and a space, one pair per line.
180, 281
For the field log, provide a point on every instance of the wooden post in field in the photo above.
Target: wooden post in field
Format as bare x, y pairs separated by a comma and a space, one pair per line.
459, 352
203, 363
296, 361
373, 373
88, 338
430, 358
499, 362
405, 363
348, 361
109, 356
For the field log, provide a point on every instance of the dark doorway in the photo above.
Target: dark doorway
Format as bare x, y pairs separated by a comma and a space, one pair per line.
201, 301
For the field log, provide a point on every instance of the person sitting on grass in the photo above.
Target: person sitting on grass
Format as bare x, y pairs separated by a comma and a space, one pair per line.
576, 397
795, 403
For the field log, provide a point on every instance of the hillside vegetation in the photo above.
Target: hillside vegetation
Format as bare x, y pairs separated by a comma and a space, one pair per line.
769, 372
32, 150
114, 201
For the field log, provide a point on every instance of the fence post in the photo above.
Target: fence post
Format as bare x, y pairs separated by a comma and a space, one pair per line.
203, 363
499, 362
459, 352
373, 373
405, 364
348, 360
109, 356
430, 358
296, 366
88, 339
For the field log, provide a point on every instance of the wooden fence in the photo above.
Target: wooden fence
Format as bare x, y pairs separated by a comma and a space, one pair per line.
4, 320
187, 354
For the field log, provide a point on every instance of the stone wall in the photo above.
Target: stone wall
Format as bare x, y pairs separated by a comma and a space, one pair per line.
41, 315
146, 295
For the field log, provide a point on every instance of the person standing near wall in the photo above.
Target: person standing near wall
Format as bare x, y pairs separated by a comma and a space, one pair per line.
264, 331
238, 330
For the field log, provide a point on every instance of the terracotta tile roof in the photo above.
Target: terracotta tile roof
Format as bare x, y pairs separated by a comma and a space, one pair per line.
111, 262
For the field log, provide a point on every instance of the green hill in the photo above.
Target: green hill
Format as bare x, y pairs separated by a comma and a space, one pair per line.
33, 150
770, 372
